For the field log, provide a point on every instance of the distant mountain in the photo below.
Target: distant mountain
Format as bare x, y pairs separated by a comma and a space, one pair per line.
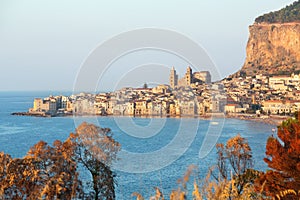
273, 47
290, 13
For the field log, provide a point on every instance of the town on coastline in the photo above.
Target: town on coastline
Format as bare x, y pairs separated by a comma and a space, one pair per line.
192, 95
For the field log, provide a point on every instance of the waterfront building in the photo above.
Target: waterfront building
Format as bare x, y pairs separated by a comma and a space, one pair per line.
232, 108
46, 106
83, 107
140, 107
129, 108
187, 107
280, 106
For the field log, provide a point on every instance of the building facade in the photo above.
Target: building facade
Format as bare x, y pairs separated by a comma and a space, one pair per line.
189, 78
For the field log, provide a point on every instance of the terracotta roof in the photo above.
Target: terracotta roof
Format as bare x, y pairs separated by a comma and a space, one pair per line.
231, 104
273, 101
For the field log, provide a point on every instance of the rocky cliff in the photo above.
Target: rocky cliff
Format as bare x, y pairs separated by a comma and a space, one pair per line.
272, 49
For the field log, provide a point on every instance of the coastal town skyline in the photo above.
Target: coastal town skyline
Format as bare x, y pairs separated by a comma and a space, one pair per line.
44, 47
137, 100
192, 94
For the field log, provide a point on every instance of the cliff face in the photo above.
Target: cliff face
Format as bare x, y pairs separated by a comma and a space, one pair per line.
273, 49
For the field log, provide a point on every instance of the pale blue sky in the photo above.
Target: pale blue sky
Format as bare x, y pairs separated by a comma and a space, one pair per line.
44, 43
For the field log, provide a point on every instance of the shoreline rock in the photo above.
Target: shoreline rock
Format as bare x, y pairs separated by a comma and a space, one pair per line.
31, 114
274, 120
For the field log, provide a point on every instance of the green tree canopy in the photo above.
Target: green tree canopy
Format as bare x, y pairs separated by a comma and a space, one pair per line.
290, 13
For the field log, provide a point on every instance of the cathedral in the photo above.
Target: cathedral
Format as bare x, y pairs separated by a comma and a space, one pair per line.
189, 78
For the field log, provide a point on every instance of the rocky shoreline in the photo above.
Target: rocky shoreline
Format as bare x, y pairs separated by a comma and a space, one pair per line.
31, 114
39, 114
273, 119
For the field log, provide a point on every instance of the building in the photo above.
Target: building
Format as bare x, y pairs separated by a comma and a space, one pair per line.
140, 107
187, 107
232, 108
173, 78
48, 105
202, 76
273, 106
161, 89
83, 106
189, 78
280, 106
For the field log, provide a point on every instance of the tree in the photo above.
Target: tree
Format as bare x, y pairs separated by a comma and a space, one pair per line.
235, 162
4, 161
50, 172
145, 86
290, 13
44, 173
60, 169
96, 150
283, 157
23, 179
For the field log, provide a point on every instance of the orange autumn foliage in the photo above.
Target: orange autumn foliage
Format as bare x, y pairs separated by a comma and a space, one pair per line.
51, 172
283, 157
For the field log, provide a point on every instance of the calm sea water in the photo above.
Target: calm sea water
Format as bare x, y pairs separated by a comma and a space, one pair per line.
19, 133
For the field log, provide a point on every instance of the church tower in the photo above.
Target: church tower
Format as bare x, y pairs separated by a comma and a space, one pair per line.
188, 76
173, 78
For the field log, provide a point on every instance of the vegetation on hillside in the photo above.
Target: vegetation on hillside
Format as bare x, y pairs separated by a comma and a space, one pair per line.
290, 13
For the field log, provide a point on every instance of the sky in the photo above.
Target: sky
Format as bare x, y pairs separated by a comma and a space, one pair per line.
44, 44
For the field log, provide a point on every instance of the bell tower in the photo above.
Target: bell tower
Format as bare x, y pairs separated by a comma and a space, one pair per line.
188, 76
173, 78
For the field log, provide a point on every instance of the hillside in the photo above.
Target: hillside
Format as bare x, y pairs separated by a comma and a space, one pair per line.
274, 48
290, 13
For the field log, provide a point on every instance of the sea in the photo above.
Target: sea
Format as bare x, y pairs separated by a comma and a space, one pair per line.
156, 152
